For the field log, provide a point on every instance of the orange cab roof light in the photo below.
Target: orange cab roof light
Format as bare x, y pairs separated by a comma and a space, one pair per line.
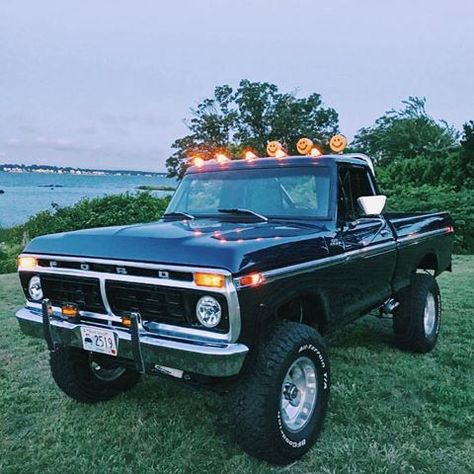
197, 161
221, 158
249, 155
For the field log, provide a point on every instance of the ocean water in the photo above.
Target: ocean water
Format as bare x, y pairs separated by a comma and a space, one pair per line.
25, 194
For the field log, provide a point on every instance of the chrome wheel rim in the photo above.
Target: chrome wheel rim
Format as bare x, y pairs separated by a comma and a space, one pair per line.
429, 319
106, 374
298, 394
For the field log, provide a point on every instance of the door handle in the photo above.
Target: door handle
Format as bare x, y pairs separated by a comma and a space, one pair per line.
384, 233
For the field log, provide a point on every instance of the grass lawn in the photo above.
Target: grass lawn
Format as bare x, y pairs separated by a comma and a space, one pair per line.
390, 411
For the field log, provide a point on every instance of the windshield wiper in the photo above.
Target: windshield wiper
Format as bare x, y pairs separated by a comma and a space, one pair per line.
179, 214
247, 212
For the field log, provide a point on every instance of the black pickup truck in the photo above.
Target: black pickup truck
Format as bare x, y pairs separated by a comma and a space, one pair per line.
253, 264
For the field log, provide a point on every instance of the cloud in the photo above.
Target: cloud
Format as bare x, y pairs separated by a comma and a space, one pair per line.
147, 119
56, 143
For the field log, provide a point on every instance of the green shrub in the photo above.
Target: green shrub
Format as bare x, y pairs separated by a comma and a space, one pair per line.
421, 170
8, 255
425, 198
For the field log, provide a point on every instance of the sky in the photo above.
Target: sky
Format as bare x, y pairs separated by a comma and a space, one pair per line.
108, 83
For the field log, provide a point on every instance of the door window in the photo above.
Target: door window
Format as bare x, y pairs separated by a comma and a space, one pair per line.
353, 182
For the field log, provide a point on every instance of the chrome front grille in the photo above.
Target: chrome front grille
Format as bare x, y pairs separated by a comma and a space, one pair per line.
153, 303
116, 298
164, 295
85, 292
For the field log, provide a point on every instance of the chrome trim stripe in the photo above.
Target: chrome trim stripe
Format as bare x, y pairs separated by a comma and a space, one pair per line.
327, 261
420, 237
364, 252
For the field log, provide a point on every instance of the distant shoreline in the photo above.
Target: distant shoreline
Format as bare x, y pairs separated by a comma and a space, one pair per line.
47, 169
158, 187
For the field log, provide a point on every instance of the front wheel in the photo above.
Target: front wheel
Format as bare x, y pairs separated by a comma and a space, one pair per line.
280, 406
88, 377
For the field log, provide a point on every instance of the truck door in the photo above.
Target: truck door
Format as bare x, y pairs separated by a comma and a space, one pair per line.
368, 243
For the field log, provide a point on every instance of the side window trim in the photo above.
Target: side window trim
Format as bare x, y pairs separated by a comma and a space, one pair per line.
342, 177
371, 182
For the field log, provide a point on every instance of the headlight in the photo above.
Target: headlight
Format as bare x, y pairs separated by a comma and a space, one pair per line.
208, 311
34, 288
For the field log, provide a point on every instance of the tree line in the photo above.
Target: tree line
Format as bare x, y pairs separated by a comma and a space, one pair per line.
422, 164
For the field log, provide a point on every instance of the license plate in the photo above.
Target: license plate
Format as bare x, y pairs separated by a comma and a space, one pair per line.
99, 340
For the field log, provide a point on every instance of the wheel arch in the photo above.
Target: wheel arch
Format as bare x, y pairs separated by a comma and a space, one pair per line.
429, 261
309, 307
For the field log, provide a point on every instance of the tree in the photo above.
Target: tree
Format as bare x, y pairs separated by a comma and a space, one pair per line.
467, 152
406, 133
250, 116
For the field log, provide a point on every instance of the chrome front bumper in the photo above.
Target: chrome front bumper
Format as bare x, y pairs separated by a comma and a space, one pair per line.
205, 358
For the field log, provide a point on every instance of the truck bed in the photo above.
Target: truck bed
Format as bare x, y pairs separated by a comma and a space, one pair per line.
423, 238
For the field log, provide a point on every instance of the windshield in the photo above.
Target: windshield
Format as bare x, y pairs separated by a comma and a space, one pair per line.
299, 192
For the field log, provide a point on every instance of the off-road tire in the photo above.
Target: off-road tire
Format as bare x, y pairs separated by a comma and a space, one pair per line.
408, 317
257, 416
71, 370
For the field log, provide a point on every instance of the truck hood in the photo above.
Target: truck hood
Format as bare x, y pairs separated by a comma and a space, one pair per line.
241, 247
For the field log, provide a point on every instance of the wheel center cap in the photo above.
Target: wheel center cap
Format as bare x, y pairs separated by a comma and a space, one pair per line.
290, 391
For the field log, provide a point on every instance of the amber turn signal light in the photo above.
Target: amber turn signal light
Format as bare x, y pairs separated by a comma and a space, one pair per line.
127, 321
27, 263
69, 311
212, 280
253, 279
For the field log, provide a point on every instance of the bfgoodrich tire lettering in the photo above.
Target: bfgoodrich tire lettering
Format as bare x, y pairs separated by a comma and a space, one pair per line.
258, 417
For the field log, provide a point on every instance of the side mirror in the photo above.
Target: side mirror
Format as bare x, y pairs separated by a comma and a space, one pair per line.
372, 205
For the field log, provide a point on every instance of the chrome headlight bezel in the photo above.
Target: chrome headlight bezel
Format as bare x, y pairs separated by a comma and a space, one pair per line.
35, 289
209, 311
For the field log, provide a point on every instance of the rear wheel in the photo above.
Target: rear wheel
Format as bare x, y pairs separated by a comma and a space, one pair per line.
88, 377
279, 407
416, 322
